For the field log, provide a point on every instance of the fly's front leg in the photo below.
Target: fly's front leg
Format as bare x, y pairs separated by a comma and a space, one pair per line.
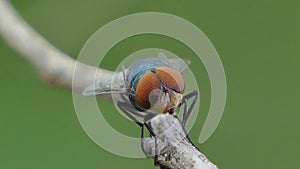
128, 109
187, 111
143, 142
150, 145
152, 134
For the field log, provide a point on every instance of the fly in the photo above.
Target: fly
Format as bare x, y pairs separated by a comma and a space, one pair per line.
148, 87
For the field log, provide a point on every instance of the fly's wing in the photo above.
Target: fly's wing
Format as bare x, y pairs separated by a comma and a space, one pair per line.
98, 89
114, 85
179, 64
175, 63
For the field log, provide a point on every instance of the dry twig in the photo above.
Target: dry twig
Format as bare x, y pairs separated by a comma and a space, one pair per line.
174, 149
56, 68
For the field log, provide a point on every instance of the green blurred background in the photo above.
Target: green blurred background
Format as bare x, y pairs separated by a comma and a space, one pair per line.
258, 43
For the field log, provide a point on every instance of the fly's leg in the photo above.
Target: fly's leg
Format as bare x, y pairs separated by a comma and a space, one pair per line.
150, 145
187, 111
142, 141
129, 110
152, 134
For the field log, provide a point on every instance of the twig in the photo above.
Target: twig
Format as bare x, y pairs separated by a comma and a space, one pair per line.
55, 67
174, 149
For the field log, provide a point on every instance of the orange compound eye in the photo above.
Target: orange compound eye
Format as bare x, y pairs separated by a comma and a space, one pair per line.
152, 81
171, 78
146, 85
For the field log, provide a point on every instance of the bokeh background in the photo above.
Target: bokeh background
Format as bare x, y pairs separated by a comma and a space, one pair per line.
258, 43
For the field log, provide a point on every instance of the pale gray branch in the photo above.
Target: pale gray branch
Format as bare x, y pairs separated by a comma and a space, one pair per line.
173, 149
55, 67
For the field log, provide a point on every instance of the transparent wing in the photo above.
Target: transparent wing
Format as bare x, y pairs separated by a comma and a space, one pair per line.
95, 90
177, 64
114, 85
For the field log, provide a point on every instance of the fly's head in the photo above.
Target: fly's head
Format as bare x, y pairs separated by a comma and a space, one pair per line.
160, 90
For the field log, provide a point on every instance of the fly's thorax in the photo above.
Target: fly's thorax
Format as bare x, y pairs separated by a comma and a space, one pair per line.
145, 64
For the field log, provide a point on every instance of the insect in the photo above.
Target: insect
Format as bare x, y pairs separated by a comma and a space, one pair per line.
148, 87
